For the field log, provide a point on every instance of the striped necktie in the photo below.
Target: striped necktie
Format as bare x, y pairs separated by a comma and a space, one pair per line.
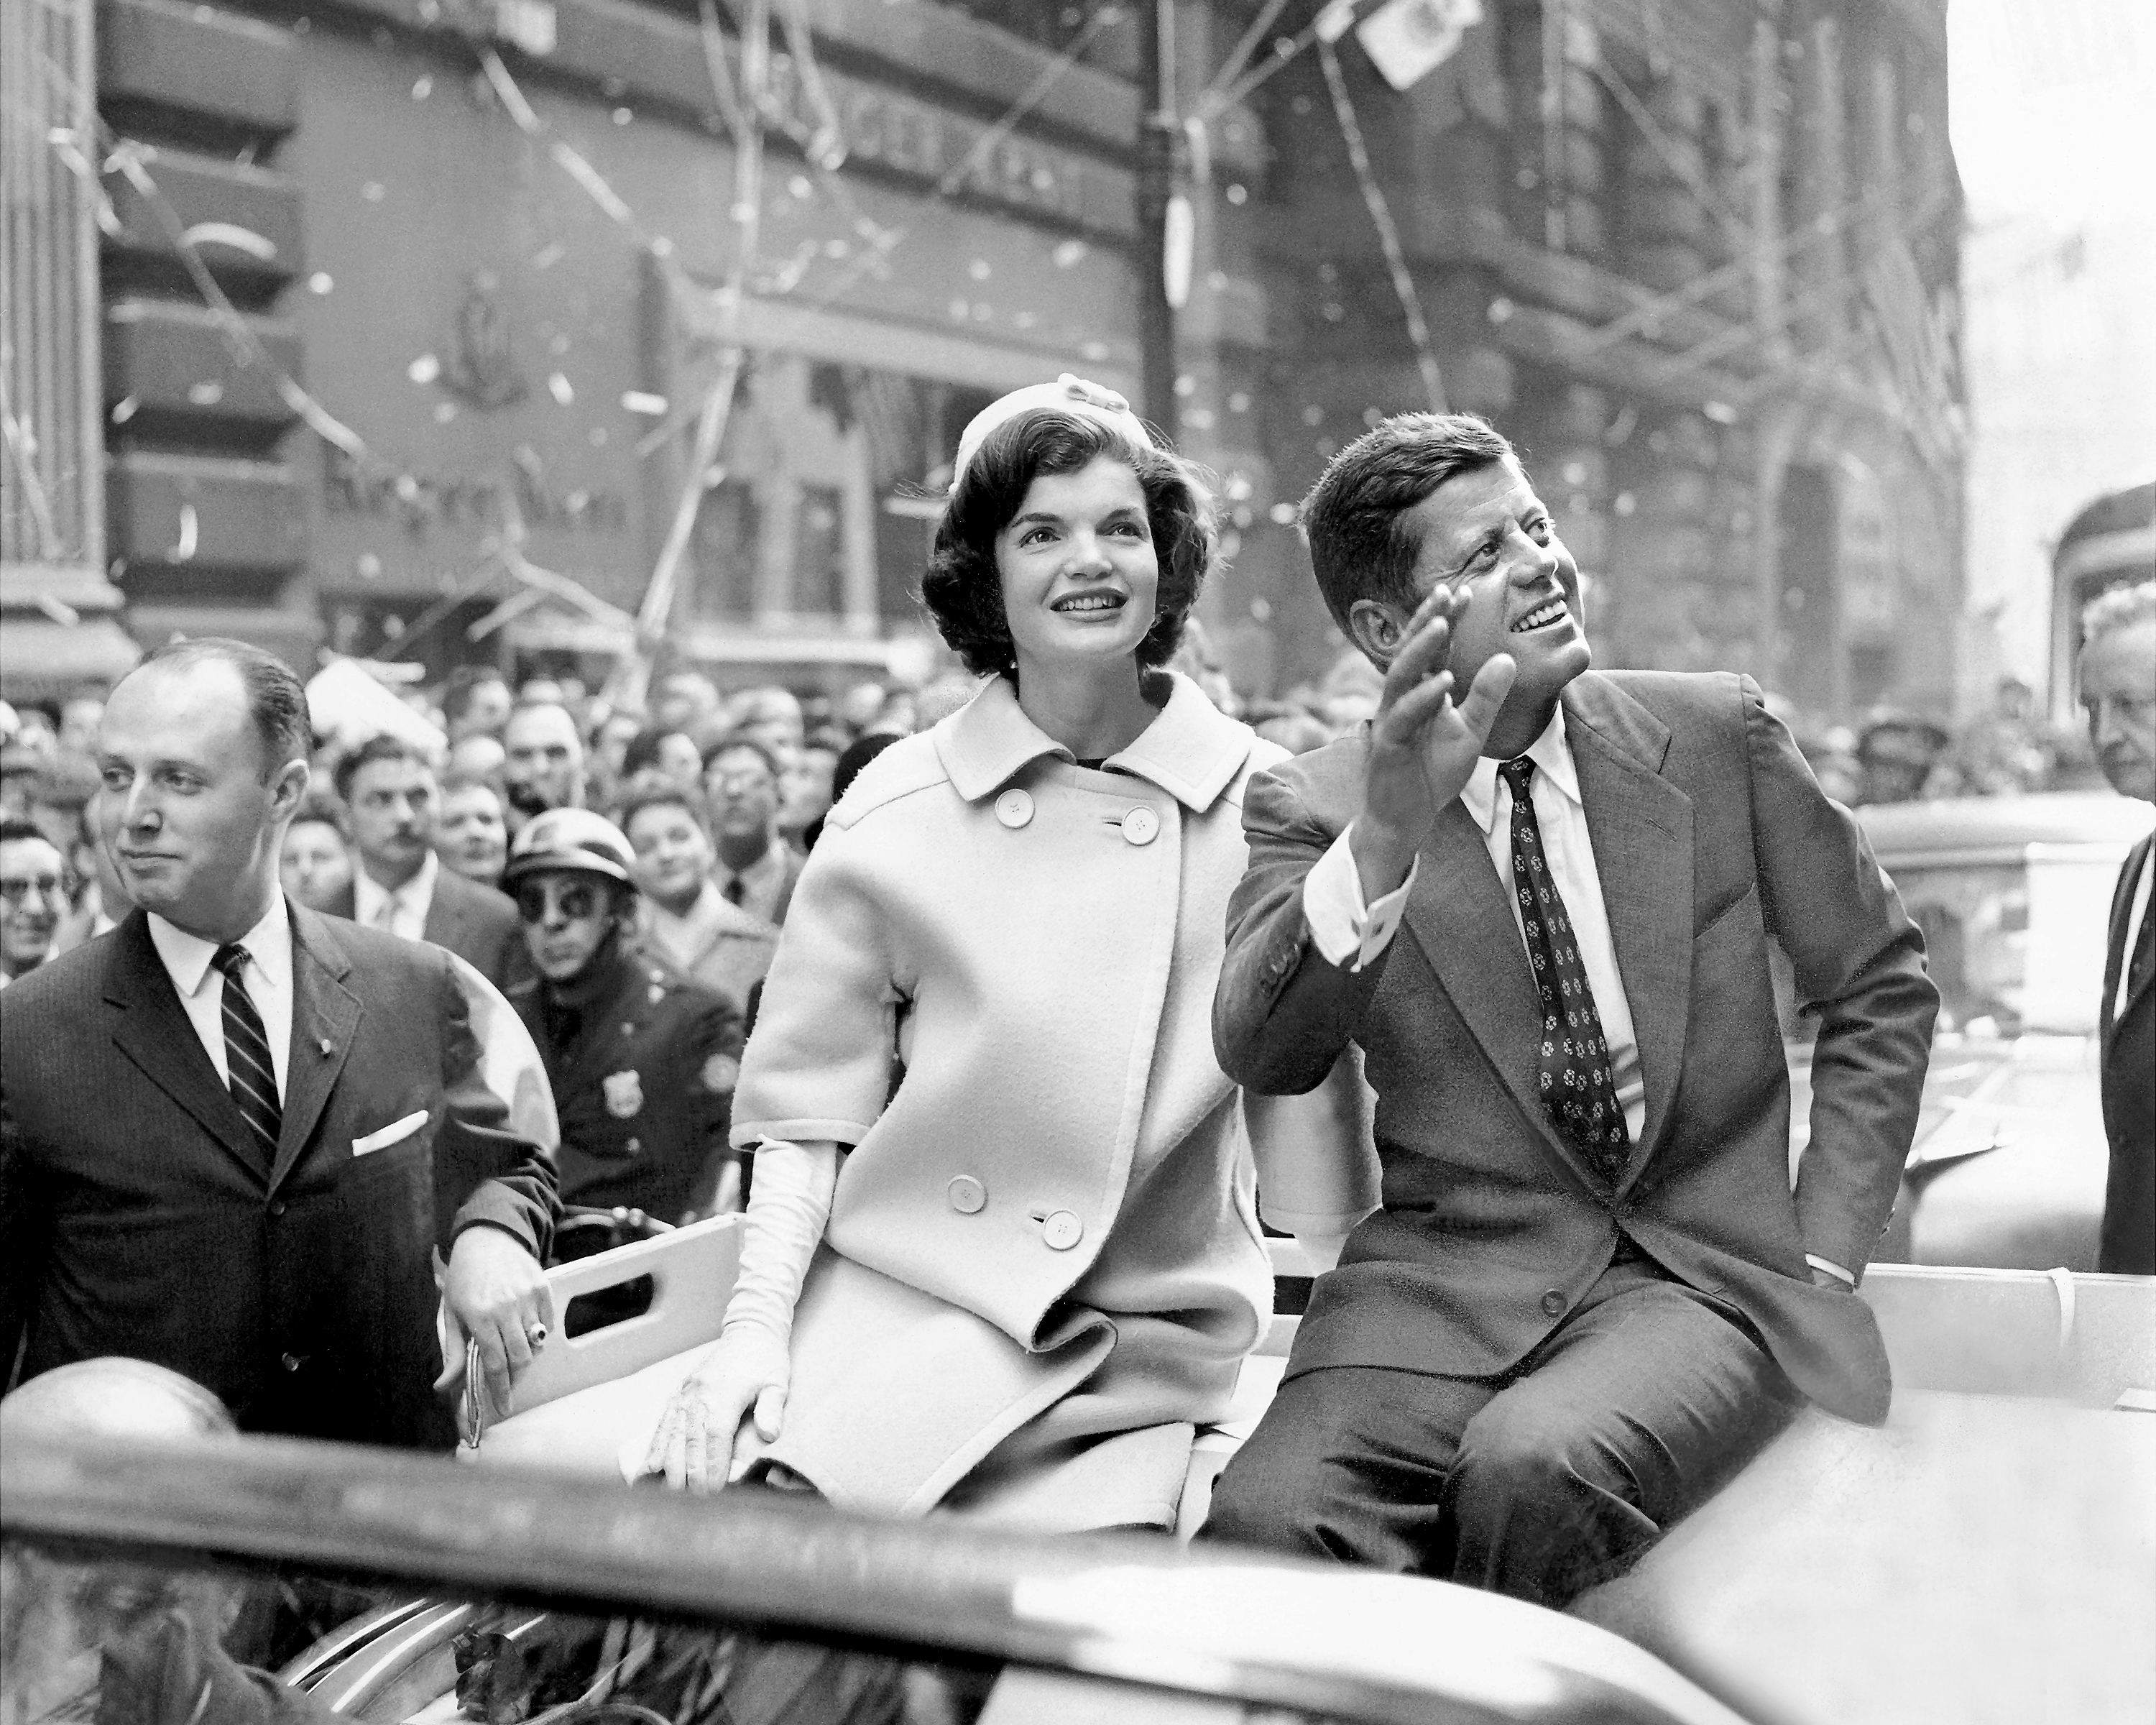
249, 1071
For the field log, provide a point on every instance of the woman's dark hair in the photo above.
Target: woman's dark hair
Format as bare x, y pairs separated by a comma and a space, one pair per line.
962, 589
643, 750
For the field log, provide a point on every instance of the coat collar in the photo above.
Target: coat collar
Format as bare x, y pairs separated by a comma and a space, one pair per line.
1193, 750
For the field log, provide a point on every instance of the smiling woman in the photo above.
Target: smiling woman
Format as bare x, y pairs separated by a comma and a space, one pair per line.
1004, 1214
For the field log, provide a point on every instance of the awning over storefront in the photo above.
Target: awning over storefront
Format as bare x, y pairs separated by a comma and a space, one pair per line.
40, 658
294, 636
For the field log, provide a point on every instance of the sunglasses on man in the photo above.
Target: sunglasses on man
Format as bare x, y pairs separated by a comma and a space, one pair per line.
572, 900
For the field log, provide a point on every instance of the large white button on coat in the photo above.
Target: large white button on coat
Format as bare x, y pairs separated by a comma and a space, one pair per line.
966, 1194
1141, 826
1014, 808
1062, 1230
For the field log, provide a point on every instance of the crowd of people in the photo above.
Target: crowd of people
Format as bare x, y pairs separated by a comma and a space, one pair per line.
976, 978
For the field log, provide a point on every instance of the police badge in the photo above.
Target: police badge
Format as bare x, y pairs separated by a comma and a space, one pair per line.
624, 1094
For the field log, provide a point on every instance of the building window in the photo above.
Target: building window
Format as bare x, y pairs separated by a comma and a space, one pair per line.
52, 516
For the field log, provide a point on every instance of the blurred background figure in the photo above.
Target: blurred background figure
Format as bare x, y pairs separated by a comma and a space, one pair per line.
100, 899
753, 869
684, 701
540, 692
122, 1643
58, 795
33, 897
314, 867
610, 742
1350, 691
479, 756
79, 716
686, 919
394, 801
770, 717
543, 766
38, 728
658, 755
476, 702
21, 765
1297, 732
472, 835
2118, 694
859, 708
1896, 754
804, 787
641, 1058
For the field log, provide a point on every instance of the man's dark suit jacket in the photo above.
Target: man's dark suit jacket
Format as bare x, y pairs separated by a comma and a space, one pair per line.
2128, 1041
135, 1218
475, 923
1710, 837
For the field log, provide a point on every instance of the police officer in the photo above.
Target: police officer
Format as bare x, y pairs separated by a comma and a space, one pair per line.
641, 1058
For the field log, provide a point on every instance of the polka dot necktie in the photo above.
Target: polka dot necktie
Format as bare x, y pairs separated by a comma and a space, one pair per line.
249, 1071
1572, 1065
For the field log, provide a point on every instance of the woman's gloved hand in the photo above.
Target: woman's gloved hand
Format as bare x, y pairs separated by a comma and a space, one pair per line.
707, 1437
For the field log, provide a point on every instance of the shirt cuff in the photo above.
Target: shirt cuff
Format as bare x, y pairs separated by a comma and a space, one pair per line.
1348, 934
1831, 1268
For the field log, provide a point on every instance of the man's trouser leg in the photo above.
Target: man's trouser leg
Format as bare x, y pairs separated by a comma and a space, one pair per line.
1537, 1484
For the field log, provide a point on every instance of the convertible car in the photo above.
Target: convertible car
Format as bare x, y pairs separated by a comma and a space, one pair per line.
2012, 893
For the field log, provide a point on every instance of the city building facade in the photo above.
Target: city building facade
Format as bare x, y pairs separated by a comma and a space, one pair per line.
412, 313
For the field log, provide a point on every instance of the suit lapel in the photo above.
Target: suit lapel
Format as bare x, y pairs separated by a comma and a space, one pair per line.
153, 1030
1640, 825
2119, 949
445, 919
1462, 919
324, 1014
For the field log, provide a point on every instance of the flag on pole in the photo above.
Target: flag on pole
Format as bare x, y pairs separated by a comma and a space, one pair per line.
1408, 39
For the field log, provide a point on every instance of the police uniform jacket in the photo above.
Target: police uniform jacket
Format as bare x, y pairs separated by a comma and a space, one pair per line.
643, 1083
1042, 1262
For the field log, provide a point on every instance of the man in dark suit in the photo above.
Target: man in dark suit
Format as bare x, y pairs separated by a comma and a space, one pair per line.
234, 1135
1543, 912
2118, 693
400, 885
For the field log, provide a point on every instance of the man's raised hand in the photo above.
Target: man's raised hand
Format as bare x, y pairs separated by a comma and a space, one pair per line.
1424, 745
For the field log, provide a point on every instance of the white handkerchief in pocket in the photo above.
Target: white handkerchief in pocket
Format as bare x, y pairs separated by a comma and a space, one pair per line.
394, 1133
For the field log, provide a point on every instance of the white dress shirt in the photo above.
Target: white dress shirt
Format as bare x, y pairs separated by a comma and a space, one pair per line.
400, 910
1350, 934
2137, 913
268, 975
1343, 929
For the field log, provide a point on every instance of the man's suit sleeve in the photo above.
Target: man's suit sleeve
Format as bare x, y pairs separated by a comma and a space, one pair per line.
1282, 1015
1860, 964
485, 1175
25, 1234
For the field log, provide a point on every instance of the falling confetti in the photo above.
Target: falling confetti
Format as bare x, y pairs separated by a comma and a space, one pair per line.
422, 87
425, 369
206, 394
123, 410
561, 389
637, 401
374, 191
319, 282
1069, 252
